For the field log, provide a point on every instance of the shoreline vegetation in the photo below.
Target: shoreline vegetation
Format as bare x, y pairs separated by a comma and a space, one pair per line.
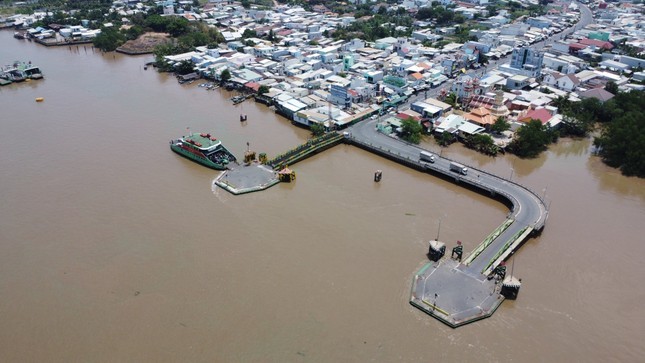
619, 121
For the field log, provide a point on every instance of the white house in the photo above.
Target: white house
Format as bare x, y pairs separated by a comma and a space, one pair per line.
568, 82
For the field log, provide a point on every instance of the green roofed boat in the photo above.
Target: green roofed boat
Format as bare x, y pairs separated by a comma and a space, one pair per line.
204, 149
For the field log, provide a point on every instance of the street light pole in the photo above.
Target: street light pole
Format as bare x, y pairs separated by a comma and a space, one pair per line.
512, 171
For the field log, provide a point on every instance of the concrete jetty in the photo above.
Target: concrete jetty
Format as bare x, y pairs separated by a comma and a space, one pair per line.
454, 291
450, 290
253, 177
242, 179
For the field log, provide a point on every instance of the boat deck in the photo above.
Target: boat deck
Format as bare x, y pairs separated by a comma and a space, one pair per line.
241, 179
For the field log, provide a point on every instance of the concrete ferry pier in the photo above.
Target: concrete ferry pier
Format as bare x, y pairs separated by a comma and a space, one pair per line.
242, 179
448, 292
259, 175
459, 292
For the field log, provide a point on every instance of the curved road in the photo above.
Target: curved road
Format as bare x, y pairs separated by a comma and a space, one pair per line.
528, 209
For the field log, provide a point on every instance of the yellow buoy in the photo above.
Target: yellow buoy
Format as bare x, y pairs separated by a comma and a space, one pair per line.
39, 99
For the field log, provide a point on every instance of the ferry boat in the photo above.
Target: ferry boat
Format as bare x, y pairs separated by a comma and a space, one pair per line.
13, 74
20, 71
33, 72
203, 149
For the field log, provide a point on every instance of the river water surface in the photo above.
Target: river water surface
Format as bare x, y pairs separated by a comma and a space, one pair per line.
113, 248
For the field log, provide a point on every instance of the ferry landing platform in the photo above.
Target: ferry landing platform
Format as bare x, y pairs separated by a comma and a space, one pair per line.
447, 291
241, 179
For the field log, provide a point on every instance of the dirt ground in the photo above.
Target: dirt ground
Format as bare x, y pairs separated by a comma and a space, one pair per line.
144, 44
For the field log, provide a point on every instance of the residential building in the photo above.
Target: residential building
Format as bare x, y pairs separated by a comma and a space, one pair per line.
541, 114
527, 61
598, 93
339, 95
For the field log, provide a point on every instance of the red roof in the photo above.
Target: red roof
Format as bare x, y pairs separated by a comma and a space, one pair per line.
466, 5
252, 85
405, 116
541, 114
577, 46
597, 43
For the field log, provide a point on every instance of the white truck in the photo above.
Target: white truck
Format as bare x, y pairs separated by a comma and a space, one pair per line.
426, 156
456, 167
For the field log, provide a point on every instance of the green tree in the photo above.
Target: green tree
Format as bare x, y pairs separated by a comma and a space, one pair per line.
500, 125
271, 37
184, 67
411, 131
317, 129
589, 110
225, 76
109, 39
263, 89
611, 87
177, 26
160, 52
248, 33
492, 10
374, 28
622, 145
622, 140
425, 13
451, 99
482, 143
531, 139
563, 103
193, 39
445, 138
572, 126
579, 117
133, 32
156, 22
483, 59
215, 36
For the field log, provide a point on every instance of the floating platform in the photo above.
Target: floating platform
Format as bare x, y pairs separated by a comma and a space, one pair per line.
449, 292
247, 178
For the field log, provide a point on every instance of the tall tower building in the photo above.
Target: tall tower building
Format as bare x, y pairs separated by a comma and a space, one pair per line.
527, 61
